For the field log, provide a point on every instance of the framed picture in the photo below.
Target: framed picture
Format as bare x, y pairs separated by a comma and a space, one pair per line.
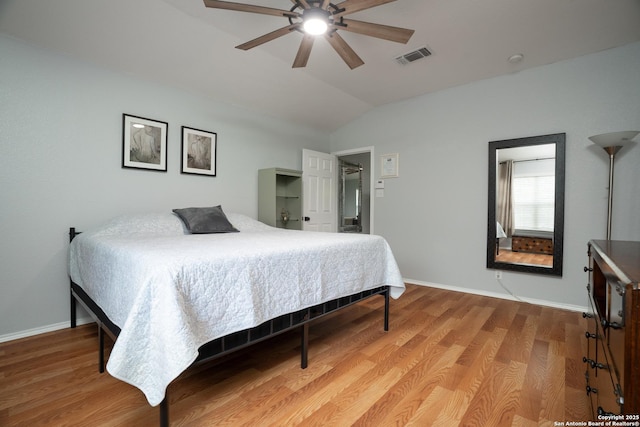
389, 165
144, 143
198, 151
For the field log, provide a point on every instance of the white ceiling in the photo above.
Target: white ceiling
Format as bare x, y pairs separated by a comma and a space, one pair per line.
181, 43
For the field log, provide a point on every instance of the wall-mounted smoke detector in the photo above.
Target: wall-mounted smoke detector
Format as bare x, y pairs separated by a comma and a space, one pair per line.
412, 56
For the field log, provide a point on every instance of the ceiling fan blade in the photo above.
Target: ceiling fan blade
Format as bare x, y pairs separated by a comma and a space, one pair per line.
241, 7
386, 32
344, 50
304, 51
352, 6
268, 37
325, 4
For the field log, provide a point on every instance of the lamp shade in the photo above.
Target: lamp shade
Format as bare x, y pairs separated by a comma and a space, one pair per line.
614, 139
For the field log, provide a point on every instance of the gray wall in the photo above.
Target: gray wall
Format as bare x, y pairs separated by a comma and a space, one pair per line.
434, 214
60, 156
60, 166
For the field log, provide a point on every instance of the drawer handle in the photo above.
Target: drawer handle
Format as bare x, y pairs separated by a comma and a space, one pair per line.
603, 412
613, 325
594, 391
587, 315
618, 391
587, 269
590, 335
593, 363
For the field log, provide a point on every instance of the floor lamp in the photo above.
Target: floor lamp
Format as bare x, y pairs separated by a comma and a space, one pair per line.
612, 143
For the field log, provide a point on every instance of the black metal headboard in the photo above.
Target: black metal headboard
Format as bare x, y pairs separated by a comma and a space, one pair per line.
73, 233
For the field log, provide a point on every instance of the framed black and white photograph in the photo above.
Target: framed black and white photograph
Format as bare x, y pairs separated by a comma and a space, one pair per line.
198, 151
144, 143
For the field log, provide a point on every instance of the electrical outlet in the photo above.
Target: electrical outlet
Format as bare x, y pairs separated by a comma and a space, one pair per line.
498, 274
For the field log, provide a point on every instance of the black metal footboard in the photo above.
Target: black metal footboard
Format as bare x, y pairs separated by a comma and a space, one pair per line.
236, 340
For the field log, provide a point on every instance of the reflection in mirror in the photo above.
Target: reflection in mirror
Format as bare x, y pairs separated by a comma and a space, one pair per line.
350, 197
526, 204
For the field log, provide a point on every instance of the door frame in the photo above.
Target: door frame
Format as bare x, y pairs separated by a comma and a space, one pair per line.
372, 180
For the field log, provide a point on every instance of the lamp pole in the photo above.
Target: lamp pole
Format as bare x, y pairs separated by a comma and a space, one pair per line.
612, 153
612, 143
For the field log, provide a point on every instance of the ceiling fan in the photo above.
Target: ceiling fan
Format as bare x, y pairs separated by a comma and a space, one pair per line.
320, 17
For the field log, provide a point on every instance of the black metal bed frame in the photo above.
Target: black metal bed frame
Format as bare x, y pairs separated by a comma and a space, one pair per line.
234, 341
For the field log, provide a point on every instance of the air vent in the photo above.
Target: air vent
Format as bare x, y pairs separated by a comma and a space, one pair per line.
410, 57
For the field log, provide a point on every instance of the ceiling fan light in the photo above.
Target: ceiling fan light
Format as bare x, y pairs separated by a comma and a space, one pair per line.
315, 26
316, 21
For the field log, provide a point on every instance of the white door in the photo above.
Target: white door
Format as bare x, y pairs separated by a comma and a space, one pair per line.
320, 198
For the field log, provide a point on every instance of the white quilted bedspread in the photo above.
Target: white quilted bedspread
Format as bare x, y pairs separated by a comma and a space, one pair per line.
170, 292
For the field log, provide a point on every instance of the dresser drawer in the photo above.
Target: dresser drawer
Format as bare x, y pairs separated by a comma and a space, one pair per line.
609, 389
614, 327
590, 359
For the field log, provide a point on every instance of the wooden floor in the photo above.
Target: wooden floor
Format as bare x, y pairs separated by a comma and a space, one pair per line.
510, 257
449, 359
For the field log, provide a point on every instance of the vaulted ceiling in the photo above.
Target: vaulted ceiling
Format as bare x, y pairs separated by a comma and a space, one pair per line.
184, 44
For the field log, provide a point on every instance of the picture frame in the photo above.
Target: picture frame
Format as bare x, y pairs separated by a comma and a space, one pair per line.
144, 143
389, 165
199, 152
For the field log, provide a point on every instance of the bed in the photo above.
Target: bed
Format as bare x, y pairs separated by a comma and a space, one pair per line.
170, 296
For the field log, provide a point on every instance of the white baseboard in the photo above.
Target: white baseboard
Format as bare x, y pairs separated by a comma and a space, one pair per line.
544, 303
43, 329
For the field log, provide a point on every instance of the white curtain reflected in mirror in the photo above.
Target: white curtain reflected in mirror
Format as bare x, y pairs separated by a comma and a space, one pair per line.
504, 203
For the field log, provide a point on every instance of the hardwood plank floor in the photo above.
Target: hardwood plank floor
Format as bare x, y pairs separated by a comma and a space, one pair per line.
449, 359
510, 257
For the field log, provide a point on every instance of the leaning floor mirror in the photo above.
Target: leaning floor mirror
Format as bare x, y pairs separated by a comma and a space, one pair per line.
525, 228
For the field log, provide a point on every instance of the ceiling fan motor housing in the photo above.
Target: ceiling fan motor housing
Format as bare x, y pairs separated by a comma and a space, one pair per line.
316, 21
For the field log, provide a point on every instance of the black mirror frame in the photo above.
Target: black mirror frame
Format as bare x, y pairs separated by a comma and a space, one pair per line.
558, 223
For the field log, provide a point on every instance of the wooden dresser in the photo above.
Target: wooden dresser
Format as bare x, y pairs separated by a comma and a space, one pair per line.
613, 336
534, 245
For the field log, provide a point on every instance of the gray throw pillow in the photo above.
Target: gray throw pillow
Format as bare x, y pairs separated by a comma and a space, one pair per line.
205, 220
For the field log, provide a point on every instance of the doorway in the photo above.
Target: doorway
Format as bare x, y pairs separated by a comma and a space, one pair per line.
361, 157
349, 197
